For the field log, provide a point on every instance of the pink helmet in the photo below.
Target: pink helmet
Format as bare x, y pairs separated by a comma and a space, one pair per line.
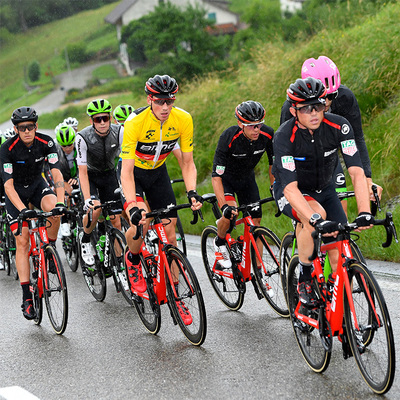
323, 69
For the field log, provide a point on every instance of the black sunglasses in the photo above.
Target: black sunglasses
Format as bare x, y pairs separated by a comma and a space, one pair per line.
332, 96
104, 118
308, 109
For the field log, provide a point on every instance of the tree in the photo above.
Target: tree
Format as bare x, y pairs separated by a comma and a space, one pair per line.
174, 41
34, 71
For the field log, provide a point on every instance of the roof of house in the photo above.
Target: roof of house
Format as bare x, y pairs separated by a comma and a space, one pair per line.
125, 5
119, 10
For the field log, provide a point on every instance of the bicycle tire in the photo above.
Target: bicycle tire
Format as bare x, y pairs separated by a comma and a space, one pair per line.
55, 290
70, 247
180, 237
372, 345
11, 250
307, 337
270, 278
37, 300
117, 239
3, 243
147, 307
357, 252
187, 291
225, 287
285, 254
94, 277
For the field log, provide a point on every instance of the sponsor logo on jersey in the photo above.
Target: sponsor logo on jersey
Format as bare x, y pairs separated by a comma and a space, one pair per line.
349, 147
220, 169
150, 134
259, 151
288, 163
8, 168
52, 158
50, 143
328, 153
345, 129
340, 179
39, 159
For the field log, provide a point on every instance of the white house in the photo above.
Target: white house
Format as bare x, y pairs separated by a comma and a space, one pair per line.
216, 10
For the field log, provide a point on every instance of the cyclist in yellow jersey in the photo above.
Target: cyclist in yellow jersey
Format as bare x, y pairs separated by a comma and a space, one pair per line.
150, 135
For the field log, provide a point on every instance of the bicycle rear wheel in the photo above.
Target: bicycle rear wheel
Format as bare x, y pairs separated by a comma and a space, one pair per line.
180, 236
372, 341
37, 300
70, 247
117, 251
308, 337
95, 277
184, 294
55, 290
147, 305
287, 250
269, 278
11, 250
224, 286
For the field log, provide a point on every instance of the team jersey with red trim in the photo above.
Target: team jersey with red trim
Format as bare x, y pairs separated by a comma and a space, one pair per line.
25, 164
236, 156
149, 142
311, 159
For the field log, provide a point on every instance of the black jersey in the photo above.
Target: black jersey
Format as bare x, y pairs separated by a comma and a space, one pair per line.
346, 106
311, 159
25, 164
236, 156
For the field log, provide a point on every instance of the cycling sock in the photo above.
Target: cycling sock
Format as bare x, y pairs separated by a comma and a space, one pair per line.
133, 258
26, 292
305, 272
220, 241
85, 237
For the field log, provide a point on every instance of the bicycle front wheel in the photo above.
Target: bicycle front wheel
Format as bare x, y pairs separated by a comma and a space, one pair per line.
185, 298
369, 330
308, 337
267, 270
222, 281
146, 304
286, 252
117, 249
70, 247
55, 290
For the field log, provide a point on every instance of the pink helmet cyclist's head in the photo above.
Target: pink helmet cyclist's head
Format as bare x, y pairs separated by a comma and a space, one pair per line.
323, 69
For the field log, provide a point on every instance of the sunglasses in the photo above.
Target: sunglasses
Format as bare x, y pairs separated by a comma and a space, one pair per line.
332, 96
254, 126
308, 109
23, 128
161, 102
67, 145
104, 118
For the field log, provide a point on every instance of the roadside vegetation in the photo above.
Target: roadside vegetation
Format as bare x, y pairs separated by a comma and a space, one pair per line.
363, 41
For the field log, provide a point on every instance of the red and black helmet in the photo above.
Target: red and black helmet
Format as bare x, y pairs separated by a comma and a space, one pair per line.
161, 87
306, 91
24, 114
250, 112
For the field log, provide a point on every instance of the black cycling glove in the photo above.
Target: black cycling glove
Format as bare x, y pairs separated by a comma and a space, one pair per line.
26, 214
59, 209
135, 215
364, 219
326, 226
227, 211
193, 194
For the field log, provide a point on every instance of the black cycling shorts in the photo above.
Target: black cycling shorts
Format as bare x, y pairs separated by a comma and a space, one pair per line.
246, 191
103, 186
327, 197
32, 193
154, 185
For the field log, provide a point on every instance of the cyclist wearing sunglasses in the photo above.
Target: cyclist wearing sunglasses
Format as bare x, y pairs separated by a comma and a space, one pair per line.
239, 150
150, 135
339, 100
306, 155
22, 158
98, 147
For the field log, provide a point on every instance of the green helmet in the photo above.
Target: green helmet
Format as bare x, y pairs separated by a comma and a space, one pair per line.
2, 138
65, 135
98, 106
122, 112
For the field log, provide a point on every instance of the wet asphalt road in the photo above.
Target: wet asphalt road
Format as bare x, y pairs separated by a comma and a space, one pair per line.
106, 353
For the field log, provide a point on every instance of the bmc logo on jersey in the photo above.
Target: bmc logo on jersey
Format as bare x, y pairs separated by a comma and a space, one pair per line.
288, 163
349, 147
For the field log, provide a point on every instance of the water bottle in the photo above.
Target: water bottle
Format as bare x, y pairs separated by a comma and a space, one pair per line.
100, 247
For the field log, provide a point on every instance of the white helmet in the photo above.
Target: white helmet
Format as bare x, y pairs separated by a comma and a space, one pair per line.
9, 133
71, 122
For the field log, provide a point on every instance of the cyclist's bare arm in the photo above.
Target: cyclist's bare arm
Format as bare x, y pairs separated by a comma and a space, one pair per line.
189, 175
58, 184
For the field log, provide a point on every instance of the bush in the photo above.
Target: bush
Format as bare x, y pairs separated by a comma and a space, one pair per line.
34, 71
77, 53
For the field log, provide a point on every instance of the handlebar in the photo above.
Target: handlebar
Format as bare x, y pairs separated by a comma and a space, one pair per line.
387, 222
40, 215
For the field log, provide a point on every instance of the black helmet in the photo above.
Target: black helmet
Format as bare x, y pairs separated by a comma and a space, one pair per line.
249, 112
162, 87
307, 91
23, 114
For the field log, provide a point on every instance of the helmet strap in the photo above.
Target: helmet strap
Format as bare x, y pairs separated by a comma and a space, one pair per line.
102, 134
